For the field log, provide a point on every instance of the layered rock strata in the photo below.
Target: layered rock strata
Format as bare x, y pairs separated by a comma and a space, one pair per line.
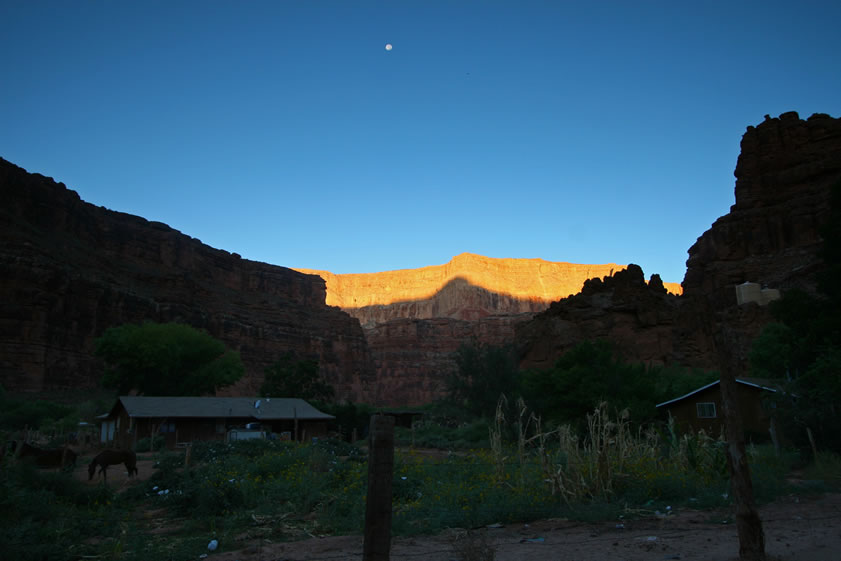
469, 287
416, 319
71, 270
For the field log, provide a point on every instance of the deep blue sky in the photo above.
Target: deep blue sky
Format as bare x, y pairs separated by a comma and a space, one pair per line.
588, 132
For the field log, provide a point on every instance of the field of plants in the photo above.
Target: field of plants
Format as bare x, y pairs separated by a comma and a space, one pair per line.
280, 491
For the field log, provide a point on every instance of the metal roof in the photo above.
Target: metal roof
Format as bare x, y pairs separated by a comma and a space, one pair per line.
755, 382
268, 408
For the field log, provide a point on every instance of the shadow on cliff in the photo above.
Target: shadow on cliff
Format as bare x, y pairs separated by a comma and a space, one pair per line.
457, 299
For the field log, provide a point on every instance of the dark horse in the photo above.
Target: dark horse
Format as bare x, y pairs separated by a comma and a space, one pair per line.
48, 458
113, 457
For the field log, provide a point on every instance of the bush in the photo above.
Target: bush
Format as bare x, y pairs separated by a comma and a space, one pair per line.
150, 445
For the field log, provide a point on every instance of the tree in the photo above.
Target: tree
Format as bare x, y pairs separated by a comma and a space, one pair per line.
166, 359
484, 373
289, 377
591, 373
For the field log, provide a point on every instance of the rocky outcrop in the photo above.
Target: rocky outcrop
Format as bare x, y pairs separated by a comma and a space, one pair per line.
784, 174
640, 318
71, 270
770, 236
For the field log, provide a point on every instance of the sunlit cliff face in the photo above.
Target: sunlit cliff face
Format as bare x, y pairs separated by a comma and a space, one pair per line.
481, 285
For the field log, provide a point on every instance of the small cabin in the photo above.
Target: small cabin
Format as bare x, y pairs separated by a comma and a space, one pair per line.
701, 409
182, 420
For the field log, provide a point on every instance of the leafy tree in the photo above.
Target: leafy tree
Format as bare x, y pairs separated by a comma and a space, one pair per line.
484, 373
591, 373
289, 377
19, 413
166, 359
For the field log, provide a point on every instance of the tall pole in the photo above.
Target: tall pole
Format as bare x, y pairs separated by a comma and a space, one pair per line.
748, 523
377, 544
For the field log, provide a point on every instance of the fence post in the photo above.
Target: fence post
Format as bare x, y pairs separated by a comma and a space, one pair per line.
377, 544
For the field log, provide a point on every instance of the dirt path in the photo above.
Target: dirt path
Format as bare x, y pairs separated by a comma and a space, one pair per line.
796, 529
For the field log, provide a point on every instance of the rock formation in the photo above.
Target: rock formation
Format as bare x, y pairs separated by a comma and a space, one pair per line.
771, 236
637, 316
71, 270
784, 175
414, 357
415, 319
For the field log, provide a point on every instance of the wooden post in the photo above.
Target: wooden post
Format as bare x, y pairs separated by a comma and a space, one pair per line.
377, 544
748, 523
812, 444
775, 439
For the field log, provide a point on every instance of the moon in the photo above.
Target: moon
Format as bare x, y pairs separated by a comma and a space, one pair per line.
388, 46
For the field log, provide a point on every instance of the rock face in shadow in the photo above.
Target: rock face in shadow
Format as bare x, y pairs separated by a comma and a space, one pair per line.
770, 236
414, 357
71, 270
641, 318
784, 174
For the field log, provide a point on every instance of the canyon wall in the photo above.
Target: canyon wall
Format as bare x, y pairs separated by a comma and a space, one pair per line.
771, 236
71, 270
784, 173
415, 319
469, 287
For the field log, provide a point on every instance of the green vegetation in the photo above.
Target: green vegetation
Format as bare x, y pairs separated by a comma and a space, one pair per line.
282, 491
289, 377
587, 375
802, 351
591, 373
166, 359
484, 373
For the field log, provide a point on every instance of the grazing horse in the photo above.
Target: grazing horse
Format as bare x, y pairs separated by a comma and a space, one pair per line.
48, 458
113, 457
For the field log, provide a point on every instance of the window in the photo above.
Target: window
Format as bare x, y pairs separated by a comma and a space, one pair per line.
167, 427
706, 410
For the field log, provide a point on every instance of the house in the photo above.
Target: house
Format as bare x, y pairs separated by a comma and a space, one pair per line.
181, 420
702, 408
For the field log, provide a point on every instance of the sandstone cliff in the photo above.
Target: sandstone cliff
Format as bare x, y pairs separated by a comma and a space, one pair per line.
415, 319
71, 270
414, 357
469, 287
770, 236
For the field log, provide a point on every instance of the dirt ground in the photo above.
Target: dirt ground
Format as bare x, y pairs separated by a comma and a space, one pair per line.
796, 529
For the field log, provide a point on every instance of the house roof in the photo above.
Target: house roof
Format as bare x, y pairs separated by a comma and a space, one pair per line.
754, 382
264, 408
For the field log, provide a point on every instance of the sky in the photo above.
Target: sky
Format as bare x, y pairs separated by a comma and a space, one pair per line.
585, 132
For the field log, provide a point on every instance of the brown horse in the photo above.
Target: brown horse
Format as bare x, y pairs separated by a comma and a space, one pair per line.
48, 458
110, 458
